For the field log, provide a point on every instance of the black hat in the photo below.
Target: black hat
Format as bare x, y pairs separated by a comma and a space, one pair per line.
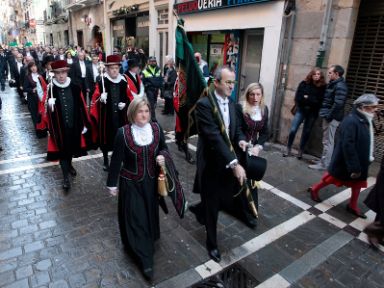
255, 167
132, 63
48, 58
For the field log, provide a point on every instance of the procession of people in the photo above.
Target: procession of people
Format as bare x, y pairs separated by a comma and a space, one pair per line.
83, 101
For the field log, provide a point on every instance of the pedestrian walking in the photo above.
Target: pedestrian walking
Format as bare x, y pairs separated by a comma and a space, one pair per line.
308, 99
331, 112
67, 119
109, 106
219, 172
140, 147
353, 153
169, 85
35, 87
375, 202
254, 118
153, 82
3, 68
136, 86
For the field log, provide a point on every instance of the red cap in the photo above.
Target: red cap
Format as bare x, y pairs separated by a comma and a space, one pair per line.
59, 65
113, 60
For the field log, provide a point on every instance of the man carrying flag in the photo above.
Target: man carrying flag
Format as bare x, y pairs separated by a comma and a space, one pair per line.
189, 86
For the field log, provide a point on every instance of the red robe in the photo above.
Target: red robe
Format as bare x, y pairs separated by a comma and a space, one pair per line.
42, 125
60, 146
134, 86
103, 132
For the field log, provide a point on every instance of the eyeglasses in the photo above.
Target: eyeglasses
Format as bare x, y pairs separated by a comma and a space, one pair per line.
229, 82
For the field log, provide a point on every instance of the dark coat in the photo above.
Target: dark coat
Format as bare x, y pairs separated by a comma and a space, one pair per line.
312, 104
351, 154
3, 66
375, 198
76, 75
335, 97
213, 153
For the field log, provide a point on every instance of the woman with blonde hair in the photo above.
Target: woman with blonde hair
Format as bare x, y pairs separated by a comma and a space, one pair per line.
255, 127
140, 146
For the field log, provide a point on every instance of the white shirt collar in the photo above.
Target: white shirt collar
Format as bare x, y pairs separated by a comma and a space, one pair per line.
65, 85
221, 100
133, 74
117, 80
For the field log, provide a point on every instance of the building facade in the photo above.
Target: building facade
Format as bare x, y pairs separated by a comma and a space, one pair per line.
326, 32
86, 18
142, 24
56, 25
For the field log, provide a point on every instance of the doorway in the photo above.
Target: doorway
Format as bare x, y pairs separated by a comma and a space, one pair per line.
251, 58
80, 39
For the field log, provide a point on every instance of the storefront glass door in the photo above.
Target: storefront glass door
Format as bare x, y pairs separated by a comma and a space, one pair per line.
251, 58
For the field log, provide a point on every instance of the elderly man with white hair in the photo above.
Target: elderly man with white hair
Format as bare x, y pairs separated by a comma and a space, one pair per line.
353, 153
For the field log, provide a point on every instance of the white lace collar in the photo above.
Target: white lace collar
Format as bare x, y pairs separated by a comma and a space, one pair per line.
65, 85
117, 80
256, 113
142, 135
35, 77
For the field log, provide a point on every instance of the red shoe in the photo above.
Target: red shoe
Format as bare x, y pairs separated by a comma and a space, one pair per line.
356, 212
314, 195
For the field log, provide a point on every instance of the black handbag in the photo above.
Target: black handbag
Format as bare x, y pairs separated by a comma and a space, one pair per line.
12, 83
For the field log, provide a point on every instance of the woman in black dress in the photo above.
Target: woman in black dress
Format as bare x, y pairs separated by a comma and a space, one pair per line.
138, 145
35, 87
255, 128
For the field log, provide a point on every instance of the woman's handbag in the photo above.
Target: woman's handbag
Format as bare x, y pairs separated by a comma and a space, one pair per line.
294, 109
163, 181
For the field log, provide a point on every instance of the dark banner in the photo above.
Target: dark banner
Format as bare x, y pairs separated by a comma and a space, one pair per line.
206, 5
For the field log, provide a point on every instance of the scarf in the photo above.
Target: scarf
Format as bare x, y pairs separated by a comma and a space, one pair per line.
369, 117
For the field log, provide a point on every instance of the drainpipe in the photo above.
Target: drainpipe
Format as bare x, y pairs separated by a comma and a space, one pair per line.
289, 15
324, 34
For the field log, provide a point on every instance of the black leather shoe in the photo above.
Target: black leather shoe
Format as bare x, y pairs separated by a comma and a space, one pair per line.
66, 184
72, 171
215, 255
251, 222
148, 274
356, 213
195, 209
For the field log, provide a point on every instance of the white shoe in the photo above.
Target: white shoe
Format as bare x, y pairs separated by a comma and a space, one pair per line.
317, 166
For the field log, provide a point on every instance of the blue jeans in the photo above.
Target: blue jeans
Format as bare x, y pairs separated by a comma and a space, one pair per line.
299, 118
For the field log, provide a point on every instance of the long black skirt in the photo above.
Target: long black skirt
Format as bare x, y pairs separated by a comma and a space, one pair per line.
375, 198
138, 213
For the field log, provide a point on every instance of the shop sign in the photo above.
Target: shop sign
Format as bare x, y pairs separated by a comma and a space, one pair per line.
206, 5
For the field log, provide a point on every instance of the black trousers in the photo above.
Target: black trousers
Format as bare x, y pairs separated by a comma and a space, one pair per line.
66, 164
217, 194
152, 98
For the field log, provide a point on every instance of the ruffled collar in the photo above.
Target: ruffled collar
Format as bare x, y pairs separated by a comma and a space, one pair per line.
64, 85
142, 135
117, 80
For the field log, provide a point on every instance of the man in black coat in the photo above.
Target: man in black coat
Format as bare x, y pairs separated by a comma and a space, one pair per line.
15, 66
81, 75
332, 112
3, 68
218, 171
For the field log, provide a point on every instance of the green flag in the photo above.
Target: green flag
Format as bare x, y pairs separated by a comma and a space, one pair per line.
190, 83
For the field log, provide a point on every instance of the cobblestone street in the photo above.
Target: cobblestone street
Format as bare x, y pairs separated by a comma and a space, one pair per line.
49, 238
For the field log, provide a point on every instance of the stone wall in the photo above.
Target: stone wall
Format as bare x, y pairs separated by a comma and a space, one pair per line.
305, 44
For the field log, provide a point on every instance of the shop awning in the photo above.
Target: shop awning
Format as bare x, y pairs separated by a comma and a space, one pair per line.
80, 4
